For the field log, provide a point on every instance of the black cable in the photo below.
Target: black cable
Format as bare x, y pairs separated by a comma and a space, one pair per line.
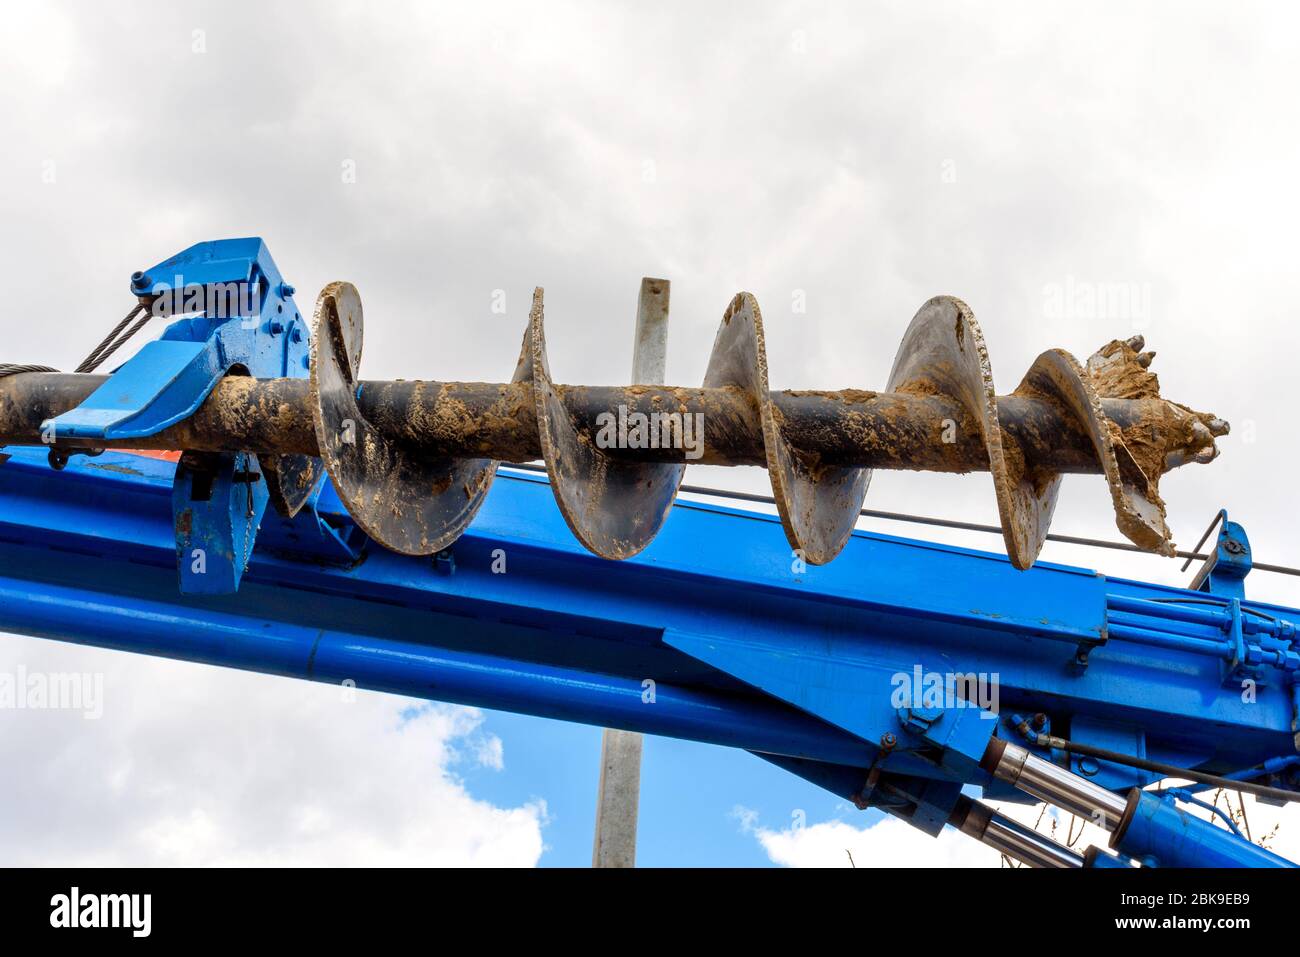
1219, 517
111, 343
107, 346
950, 523
119, 343
1168, 770
1216, 603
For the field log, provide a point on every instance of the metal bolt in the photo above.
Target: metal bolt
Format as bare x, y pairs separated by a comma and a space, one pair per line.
276, 327
286, 290
888, 740
1038, 721
1234, 547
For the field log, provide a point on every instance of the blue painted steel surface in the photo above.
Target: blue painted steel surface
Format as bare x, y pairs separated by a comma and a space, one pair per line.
710, 634
217, 515
233, 313
1161, 833
155, 388
1118, 737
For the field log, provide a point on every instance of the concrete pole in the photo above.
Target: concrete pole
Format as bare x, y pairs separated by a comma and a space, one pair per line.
620, 751
650, 352
618, 800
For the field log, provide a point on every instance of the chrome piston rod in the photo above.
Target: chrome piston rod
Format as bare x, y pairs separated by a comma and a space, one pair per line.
1009, 837
1052, 784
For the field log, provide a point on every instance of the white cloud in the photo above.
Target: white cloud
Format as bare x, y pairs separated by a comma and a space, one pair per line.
490, 752
890, 842
203, 766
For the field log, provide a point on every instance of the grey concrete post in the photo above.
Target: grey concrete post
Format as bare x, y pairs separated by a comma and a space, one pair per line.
619, 798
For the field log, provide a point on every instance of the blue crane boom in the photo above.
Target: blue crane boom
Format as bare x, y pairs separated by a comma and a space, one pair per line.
903, 675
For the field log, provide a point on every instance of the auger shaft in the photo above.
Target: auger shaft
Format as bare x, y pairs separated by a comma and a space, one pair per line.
413, 461
850, 428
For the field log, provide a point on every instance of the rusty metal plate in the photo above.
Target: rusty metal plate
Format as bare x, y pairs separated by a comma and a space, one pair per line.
819, 505
614, 507
290, 480
405, 501
943, 353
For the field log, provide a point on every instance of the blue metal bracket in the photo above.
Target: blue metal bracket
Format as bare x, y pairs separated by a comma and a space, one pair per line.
232, 309
1224, 572
1122, 738
908, 709
161, 385
218, 501
233, 314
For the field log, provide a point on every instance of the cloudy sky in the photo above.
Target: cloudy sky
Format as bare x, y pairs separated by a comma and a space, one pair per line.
854, 158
